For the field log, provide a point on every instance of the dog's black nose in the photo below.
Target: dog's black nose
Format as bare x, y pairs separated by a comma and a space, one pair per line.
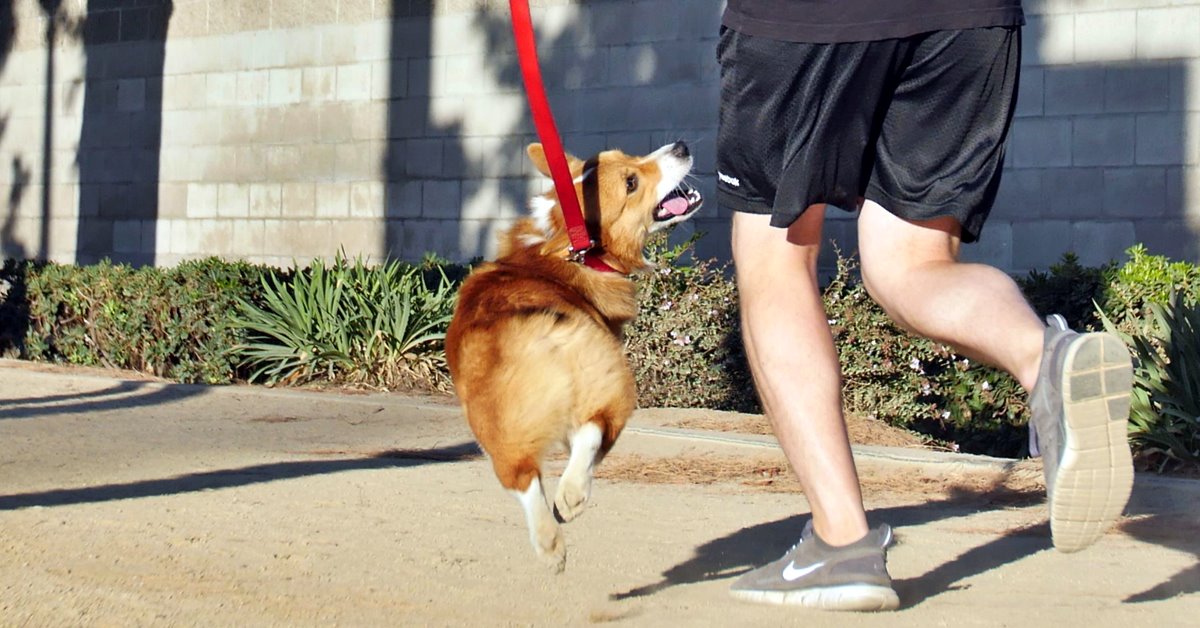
680, 150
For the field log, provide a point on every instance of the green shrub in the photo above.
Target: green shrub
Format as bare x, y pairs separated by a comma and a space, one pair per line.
173, 323
1164, 417
914, 383
685, 346
1070, 289
352, 323
1144, 280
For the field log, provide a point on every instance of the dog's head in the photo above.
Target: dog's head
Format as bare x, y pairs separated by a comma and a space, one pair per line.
624, 199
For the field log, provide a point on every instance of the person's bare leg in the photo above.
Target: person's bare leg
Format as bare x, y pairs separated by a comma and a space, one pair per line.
912, 270
795, 366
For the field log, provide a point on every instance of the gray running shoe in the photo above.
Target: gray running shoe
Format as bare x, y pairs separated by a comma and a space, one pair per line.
1079, 408
817, 575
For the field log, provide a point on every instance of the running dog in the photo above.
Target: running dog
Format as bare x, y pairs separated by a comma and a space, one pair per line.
535, 346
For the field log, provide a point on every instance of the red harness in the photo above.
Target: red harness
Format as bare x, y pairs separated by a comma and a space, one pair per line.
583, 247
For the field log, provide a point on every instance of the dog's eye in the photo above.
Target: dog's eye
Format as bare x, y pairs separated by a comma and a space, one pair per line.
631, 184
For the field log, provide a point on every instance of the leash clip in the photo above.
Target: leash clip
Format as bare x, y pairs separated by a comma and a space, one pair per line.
578, 255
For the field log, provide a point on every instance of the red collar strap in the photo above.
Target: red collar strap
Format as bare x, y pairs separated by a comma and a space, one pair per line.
583, 248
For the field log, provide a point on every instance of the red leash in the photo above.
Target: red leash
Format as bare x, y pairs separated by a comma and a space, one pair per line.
582, 245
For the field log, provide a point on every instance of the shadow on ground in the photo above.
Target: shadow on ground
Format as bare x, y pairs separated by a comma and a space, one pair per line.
119, 396
741, 551
244, 476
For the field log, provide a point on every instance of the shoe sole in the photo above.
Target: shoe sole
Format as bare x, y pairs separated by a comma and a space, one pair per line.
850, 597
1095, 474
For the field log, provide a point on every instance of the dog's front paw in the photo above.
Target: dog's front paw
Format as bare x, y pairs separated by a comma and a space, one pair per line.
552, 549
570, 500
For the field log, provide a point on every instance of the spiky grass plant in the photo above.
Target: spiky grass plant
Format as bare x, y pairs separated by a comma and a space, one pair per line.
377, 326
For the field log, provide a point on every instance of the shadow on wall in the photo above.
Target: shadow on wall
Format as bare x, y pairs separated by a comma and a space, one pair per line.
450, 183
1098, 162
20, 172
121, 135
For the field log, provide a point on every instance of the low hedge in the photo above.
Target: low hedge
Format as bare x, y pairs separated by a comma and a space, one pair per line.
191, 323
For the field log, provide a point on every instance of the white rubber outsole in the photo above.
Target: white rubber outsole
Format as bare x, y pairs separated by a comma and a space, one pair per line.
851, 597
1095, 473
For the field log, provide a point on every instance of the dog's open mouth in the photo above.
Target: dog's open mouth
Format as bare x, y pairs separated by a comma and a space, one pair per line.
682, 201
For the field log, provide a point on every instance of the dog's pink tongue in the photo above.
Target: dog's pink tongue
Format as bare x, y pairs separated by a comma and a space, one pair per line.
675, 206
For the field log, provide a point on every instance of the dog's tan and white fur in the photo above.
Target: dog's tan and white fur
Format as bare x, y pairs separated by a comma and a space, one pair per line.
535, 346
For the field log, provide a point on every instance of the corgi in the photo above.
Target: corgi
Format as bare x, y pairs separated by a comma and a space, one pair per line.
535, 347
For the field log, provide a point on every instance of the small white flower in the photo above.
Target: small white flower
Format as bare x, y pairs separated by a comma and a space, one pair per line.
945, 414
667, 305
985, 386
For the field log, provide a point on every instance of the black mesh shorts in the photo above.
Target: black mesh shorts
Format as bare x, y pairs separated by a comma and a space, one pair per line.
917, 125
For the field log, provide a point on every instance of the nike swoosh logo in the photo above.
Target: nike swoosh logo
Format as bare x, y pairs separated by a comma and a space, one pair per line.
791, 573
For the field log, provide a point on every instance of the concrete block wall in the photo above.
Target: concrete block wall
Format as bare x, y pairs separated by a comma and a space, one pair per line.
152, 131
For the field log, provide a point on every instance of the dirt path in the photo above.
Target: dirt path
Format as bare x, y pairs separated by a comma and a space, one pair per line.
131, 503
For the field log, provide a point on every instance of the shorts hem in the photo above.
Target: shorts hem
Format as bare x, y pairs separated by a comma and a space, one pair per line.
970, 221
741, 204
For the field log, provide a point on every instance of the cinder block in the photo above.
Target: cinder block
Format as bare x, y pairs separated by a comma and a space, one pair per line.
404, 199
1138, 89
1135, 192
266, 200
358, 237
507, 114
172, 200
354, 82
423, 157
333, 200
202, 200
249, 237
1105, 36
1040, 142
253, 88
285, 86
187, 91
1040, 244
1074, 90
222, 89
441, 199
1021, 195
1072, 192
367, 199
127, 236
1104, 140
233, 200
299, 200
368, 120
211, 237
303, 13
1031, 92
233, 16
298, 124
1098, 242
388, 80
1161, 237
1168, 33
318, 84
481, 199
1160, 139
336, 121
359, 161
251, 163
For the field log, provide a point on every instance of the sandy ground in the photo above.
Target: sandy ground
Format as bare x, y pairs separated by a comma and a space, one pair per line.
127, 503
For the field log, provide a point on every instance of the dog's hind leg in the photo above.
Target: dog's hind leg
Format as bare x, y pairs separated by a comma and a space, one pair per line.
524, 481
575, 486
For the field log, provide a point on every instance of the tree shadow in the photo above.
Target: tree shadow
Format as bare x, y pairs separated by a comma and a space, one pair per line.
120, 396
121, 133
233, 478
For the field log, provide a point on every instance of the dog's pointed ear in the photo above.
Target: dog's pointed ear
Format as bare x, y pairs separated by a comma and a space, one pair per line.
537, 154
